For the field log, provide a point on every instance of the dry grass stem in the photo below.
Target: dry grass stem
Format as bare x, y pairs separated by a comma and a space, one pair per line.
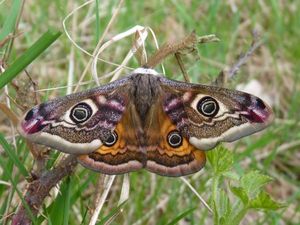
108, 181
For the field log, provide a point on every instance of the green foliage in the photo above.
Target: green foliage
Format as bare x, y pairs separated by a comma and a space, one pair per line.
28, 56
248, 190
181, 216
13, 156
10, 21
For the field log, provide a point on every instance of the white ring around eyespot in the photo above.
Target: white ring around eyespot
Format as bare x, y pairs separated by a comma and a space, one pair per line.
208, 114
109, 144
222, 107
81, 108
66, 116
170, 135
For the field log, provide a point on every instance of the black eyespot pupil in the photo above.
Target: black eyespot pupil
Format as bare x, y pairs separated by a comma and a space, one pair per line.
81, 113
111, 140
208, 106
174, 139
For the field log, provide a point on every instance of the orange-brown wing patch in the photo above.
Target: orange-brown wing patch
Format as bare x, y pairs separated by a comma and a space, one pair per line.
124, 156
164, 159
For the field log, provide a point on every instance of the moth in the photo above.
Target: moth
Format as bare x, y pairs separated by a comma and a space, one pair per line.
145, 121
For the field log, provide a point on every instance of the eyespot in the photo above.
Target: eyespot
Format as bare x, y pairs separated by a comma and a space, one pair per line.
208, 106
111, 140
174, 139
80, 113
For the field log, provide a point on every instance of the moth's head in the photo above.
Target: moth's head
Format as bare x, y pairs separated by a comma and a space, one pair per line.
66, 124
223, 115
36, 119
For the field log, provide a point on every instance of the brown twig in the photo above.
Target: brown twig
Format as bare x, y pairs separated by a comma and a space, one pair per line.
39, 189
188, 43
182, 68
227, 75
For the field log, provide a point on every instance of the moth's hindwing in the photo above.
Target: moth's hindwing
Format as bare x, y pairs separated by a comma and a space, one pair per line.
169, 152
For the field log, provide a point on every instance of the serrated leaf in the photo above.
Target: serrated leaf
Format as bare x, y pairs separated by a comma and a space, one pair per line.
220, 159
264, 201
232, 175
253, 181
241, 194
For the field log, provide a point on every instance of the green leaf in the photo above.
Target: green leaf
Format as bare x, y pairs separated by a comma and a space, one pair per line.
12, 155
14, 184
97, 21
181, 216
60, 208
264, 201
253, 181
221, 207
241, 194
10, 21
232, 175
67, 201
28, 56
220, 159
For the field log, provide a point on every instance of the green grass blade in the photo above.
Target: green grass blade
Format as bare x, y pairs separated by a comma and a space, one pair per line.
97, 21
67, 202
29, 55
10, 21
12, 155
14, 184
111, 214
181, 215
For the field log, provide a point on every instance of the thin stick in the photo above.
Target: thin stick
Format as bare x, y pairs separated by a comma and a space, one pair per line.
182, 68
243, 59
187, 43
226, 75
107, 185
196, 193
39, 189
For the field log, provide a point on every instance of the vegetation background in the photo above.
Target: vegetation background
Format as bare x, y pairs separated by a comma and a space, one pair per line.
235, 182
